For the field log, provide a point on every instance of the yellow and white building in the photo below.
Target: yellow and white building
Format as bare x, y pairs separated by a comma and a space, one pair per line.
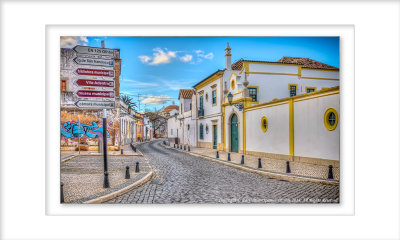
287, 109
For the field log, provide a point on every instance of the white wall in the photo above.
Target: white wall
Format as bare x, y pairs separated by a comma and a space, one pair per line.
311, 137
276, 138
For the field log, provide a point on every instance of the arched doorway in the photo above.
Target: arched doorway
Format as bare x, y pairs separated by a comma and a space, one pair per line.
234, 134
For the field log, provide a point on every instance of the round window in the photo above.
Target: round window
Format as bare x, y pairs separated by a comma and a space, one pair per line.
264, 124
331, 119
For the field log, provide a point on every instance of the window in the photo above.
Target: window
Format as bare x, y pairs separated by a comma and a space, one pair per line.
264, 124
201, 131
63, 85
214, 97
331, 119
190, 106
293, 89
253, 94
201, 102
310, 89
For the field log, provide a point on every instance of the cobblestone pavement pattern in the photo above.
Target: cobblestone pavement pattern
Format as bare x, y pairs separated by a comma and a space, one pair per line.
182, 178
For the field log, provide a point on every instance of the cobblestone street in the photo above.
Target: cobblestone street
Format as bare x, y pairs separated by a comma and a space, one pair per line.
182, 178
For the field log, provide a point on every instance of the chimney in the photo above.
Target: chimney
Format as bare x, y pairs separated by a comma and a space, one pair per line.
103, 45
228, 56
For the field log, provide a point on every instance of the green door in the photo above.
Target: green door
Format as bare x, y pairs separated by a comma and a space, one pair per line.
234, 134
215, 136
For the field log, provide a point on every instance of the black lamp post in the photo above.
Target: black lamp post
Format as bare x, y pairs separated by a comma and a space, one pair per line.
230, 96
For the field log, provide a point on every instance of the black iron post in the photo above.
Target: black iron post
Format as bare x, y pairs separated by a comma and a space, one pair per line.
62, 192
122, 151
287, 167
330, 174
259, 163
242, 162
217, 154
127, 174
106, 182
137, 167
229, 156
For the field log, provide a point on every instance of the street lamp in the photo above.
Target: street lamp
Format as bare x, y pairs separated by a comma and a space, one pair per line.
230, 96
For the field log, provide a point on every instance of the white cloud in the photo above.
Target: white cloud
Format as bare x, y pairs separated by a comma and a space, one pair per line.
157, 100
200, 54
159, 57
186, 58
70, 42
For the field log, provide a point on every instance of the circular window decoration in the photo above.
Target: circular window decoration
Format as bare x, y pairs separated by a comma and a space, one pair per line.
264, 124
233, 84
331, 119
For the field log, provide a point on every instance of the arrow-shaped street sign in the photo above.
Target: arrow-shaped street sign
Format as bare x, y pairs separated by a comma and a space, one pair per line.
94, 50
95, 104
94, 83
94, 94
94, 62
95, 72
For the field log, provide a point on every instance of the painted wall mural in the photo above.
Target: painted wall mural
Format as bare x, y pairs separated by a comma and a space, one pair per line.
91, 130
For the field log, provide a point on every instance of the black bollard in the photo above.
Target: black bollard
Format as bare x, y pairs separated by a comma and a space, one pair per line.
180, 147
242, 162
106, 182
122, 151
134, 148
217, 154
229, 156
137, 167
62, 193
189, 148
287, 167
127, 175
330, 174
259, 163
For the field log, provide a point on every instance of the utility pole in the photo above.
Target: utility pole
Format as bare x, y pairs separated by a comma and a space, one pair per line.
106, 181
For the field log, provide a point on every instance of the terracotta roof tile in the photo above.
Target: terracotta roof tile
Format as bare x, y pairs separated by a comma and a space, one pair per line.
186, 93
170, 108
306, 62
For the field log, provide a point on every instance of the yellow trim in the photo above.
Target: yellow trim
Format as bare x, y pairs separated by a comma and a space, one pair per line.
245, 66
335, 79
237, 93
238, 100
315, 89
271, 63
293, 84
317, 69
326, 120
223, 124
272, 73
209, 80
299, 71
320, 93
228, 54
264, 129
291, 128
244, 128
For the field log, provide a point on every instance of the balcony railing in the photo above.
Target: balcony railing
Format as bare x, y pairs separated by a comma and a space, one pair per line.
200, 112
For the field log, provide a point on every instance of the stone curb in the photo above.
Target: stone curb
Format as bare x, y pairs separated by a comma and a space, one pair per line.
93, 155
121, 191
276, 175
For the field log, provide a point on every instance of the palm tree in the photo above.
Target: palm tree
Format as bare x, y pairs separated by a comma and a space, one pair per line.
128, 101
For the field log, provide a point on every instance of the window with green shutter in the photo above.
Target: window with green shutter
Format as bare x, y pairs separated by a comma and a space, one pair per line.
214, 97
253, 94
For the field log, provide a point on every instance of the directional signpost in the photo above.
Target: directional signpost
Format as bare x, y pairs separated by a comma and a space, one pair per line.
89, 59
94, 62
94, 72
95, 104
94, 83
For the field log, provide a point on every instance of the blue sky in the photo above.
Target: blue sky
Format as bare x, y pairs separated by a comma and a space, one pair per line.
157, 67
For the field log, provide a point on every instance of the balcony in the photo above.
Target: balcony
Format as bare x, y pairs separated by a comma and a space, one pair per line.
200, 112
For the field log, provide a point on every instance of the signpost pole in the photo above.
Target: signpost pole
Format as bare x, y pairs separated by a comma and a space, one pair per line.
79, 136
106, 182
